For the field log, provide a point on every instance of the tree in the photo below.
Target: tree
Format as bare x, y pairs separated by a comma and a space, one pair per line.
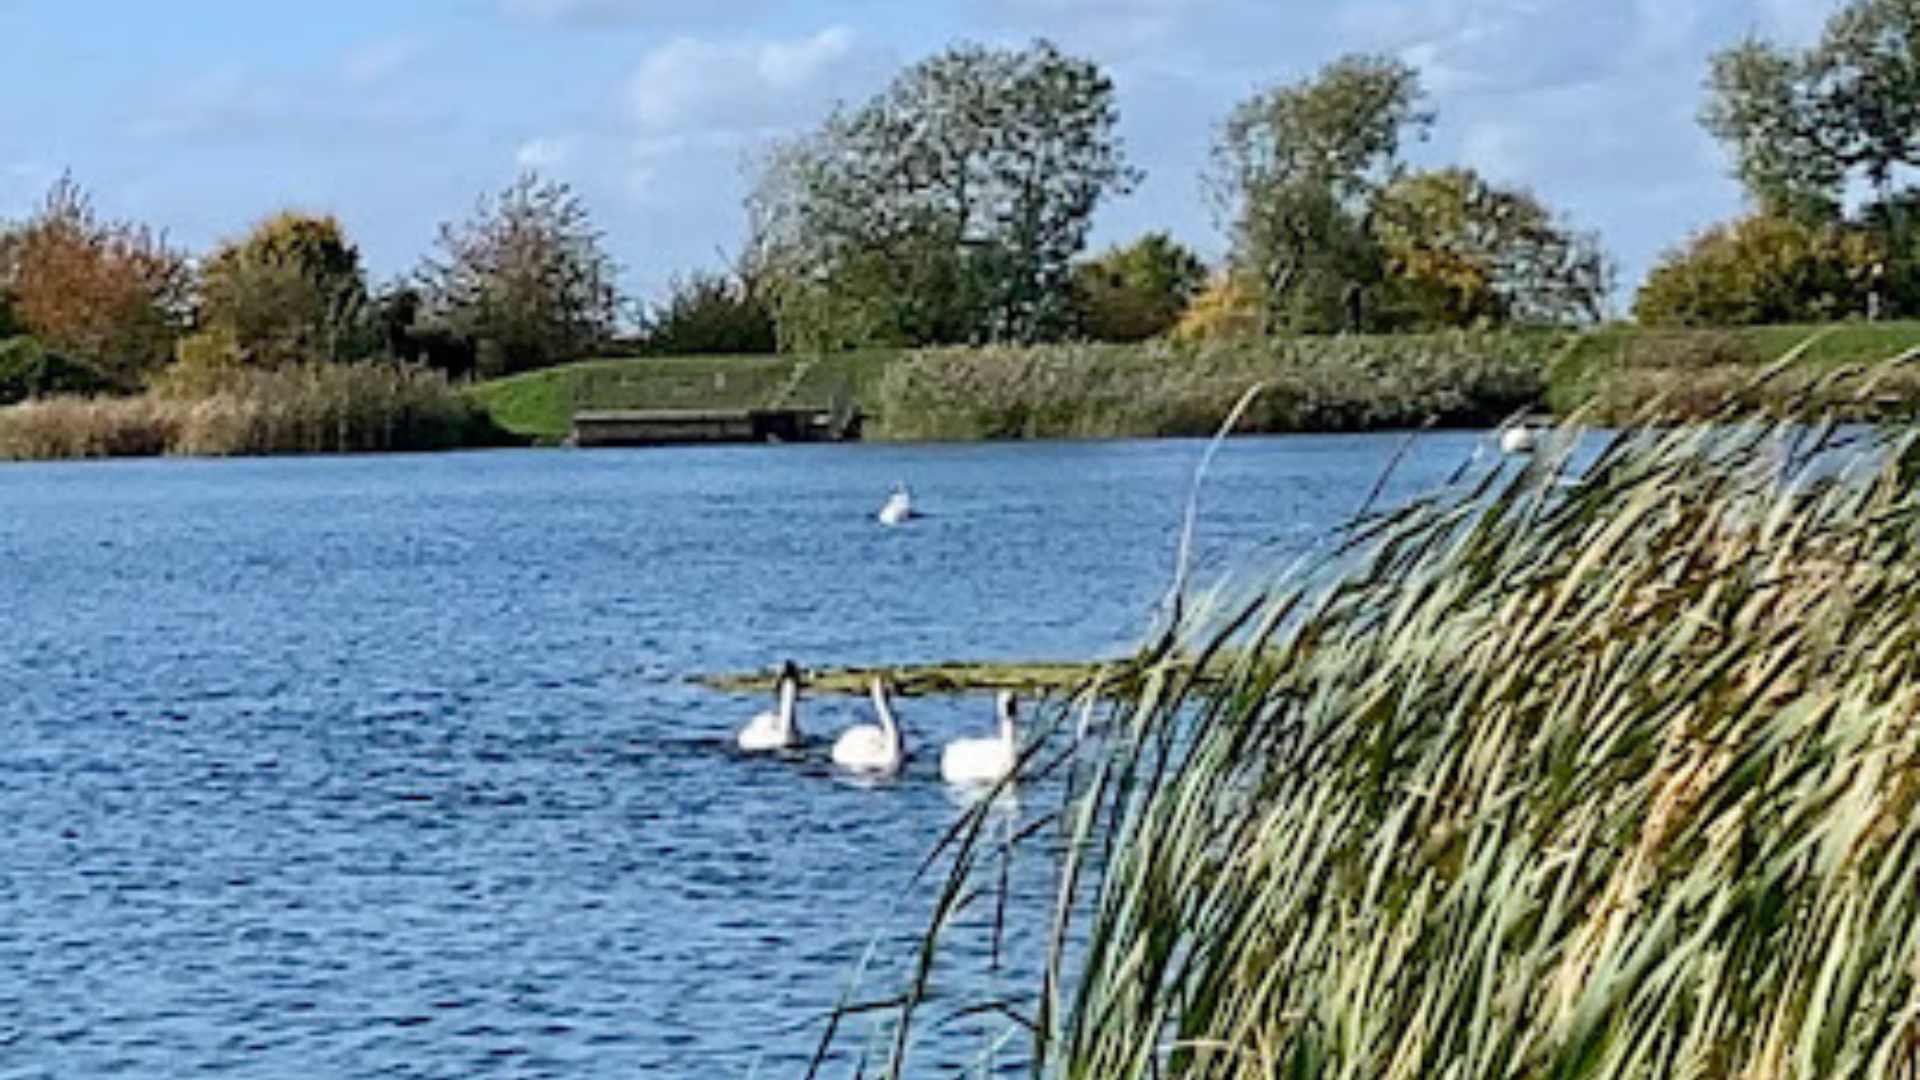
290, 291
1137, 292
1224, 310
1762, 269
1293, 169
711, 313
949, 207
1895, 222
109, 294
525, 279
1461, 251
1802, 123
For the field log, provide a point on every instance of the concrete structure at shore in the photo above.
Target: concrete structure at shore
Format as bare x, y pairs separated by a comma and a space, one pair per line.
675, 427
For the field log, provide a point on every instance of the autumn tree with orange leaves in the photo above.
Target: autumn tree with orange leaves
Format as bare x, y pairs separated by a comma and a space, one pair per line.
109, 294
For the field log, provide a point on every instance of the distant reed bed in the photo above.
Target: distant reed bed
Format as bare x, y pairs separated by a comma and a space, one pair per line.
1313, 384
313, 408
1607, 771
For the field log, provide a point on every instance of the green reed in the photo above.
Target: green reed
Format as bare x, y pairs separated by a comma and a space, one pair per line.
1313, 384
1603, 771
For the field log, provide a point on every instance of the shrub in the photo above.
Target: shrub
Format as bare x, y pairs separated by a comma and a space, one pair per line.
1762, 269
1136, 292
711, 313
29, 369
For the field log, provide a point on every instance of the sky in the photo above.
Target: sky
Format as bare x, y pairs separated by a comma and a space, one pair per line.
204, 116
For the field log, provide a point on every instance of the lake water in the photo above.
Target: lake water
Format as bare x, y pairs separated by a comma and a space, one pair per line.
389, 766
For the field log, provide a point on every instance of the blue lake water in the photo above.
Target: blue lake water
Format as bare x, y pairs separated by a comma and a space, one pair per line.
389, 766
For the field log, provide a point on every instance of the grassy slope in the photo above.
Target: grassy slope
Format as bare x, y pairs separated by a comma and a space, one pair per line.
1622, 346
539, 404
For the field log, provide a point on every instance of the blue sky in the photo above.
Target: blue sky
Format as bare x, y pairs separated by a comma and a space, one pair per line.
204, 116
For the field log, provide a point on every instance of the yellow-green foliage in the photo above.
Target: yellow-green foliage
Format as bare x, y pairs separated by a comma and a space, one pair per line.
311, 408
1227, 309
289, 291
1762, 269
1610, 772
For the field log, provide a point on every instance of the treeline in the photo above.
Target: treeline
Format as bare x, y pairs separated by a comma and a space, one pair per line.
953, 208
91, 305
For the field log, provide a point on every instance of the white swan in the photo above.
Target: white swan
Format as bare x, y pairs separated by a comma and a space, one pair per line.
776, 729
873, 747
983, 761
1518, 439
899, 506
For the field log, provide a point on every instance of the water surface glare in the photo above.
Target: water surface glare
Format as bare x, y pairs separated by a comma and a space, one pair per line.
388, 766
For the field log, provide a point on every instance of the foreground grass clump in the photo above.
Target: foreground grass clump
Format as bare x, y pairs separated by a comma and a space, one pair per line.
1313, 384
1600, 772
316, 408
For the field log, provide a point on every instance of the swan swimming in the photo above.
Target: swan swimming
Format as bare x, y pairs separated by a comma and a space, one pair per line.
1518, 439
873, 747
983, 761
776, 729
899, 506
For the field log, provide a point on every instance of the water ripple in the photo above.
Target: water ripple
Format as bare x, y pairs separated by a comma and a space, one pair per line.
388, 766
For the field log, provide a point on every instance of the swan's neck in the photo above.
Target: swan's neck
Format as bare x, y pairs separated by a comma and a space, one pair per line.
788, 694
1006, 724
885, 712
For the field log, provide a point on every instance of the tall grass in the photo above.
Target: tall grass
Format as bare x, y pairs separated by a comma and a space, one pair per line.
1604, 771
316, 408
1313, 384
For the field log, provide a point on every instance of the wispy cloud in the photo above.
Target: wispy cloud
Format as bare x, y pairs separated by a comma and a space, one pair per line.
745, 85
547, 153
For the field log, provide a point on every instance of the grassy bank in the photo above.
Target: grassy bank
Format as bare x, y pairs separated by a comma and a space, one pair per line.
320, 408
1618, 370
1608, 775
539, 405
1314, 384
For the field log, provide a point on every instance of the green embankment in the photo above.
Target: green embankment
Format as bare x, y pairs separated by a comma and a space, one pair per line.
1314, 384
540, 404
1629, 361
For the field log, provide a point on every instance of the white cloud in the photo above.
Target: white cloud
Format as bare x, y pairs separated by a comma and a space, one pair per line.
547, 153
690, 82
